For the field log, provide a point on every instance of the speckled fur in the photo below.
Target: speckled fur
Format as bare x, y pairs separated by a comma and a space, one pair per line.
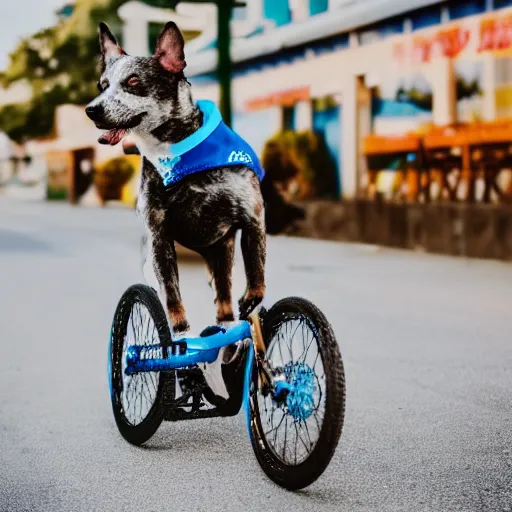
202, 212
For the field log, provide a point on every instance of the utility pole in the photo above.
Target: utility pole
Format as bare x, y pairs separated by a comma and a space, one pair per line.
224, 64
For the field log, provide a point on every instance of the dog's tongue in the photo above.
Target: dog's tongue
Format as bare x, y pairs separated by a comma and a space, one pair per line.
112, 137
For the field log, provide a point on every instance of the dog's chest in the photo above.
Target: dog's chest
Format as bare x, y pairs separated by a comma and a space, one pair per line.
152, 149
142, 202
202, 209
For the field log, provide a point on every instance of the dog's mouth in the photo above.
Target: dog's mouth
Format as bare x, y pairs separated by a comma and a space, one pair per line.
112, 137
115, 135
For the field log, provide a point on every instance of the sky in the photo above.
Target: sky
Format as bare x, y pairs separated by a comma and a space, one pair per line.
20, 18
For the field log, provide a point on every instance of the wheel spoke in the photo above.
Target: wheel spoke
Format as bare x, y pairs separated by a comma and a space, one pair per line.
290, 436
138, 392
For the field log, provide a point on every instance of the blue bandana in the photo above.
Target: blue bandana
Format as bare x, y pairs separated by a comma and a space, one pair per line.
213, 146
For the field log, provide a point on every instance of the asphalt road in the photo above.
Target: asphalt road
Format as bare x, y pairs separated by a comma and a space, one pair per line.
427, 345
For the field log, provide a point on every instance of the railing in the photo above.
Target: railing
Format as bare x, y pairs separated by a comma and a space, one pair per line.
464, 163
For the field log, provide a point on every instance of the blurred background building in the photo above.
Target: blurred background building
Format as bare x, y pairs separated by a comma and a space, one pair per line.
350, 103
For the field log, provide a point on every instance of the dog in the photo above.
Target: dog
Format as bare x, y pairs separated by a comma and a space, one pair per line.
150, 98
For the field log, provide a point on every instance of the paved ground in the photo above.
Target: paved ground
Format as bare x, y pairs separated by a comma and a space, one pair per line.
427, 344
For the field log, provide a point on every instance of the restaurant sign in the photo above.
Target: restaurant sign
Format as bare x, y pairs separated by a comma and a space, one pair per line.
475, 35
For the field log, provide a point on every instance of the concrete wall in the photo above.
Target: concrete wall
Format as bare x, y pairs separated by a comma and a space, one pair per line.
470, 230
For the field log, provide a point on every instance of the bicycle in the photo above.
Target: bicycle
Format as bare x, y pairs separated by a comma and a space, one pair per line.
294, 401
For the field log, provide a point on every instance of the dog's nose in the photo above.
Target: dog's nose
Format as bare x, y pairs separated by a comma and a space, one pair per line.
94, 112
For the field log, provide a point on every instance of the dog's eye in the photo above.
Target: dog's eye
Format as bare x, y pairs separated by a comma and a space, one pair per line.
133, 81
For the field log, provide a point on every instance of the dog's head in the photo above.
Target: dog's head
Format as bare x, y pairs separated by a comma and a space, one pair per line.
140, 94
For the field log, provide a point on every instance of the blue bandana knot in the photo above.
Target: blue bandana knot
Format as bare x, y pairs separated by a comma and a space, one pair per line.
166, 164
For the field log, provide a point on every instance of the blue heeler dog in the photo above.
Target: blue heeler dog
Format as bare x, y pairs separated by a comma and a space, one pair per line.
201, 182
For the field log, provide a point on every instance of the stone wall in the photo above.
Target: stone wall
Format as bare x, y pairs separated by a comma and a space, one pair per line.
471, 230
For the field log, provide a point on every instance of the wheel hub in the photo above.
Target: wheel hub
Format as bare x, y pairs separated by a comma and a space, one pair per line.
297, 390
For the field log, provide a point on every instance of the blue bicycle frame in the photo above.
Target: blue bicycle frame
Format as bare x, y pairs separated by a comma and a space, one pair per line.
186, 352
149, 358
140, 358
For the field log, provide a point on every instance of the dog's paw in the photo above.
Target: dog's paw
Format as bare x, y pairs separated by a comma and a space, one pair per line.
225, 319
178, 321
247, 304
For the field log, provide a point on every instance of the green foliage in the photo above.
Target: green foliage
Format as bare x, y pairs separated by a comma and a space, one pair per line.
112, 177
119, 170
421, 99
279, 157
35, 119
13, 120
56, 194
467, 89
302, 156
61, 65
324, 103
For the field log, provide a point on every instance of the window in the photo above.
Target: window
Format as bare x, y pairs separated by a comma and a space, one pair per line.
318, 6
458, 9
426, 17
289, 118
278, 11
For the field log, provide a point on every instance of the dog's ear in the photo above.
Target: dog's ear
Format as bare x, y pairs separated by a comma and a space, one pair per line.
109, 46
170, 49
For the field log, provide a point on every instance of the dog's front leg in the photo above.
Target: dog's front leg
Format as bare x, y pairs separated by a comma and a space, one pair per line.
165, 265
254, 254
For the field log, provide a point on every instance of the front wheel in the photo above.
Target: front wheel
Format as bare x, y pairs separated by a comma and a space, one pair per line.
136, 399
295, 428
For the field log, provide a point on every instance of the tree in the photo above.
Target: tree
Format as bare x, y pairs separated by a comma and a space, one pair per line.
61, 65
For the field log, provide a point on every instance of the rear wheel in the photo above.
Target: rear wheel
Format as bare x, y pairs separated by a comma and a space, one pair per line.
295, 429
136, 399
